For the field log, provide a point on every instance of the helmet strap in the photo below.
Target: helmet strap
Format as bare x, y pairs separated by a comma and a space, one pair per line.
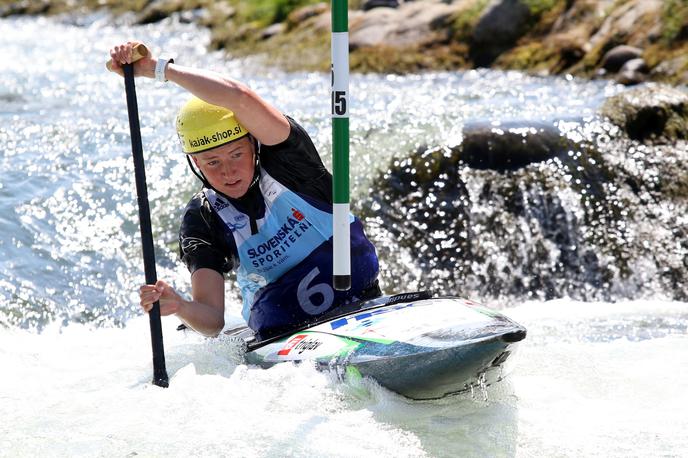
198, 173
256, 166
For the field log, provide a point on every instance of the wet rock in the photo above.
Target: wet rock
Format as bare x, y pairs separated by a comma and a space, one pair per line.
370, 4
193, 16
582, 14
633, 72
186, 12
496, 227
11, 9
500, 26
504, 148
217, 14
373, 28
159, 10
411, 25
629, 23
567, 41
674, 70
31, 7
616, 57
574, 225
300, 15
654, 113
552, 56
271, 31
7, 11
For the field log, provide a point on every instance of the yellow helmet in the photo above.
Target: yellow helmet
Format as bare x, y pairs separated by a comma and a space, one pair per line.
202, 126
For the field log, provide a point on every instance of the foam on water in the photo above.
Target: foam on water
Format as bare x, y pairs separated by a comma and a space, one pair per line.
86, 392
83, 391
604, 379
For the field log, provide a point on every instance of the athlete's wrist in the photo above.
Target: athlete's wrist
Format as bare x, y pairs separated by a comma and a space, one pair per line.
146, 68
183, 307
160, 69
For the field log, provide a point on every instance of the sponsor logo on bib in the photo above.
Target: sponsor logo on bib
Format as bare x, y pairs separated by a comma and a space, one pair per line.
220, 204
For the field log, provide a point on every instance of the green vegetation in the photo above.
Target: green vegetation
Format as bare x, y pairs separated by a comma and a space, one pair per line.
593, 58
387, 59
303, 43
538, 7
543, 14
534, 56
265, 12
465, 20
675, 19
302, 48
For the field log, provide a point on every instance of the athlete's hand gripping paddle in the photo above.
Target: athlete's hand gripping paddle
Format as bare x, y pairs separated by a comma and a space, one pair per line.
159, 372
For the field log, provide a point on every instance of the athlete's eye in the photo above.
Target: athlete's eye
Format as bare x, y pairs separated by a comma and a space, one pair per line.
213, 163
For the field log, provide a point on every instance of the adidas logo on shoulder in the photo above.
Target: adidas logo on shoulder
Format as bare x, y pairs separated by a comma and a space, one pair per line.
220, 204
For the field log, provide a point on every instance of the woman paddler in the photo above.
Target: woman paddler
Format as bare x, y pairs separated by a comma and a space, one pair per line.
265, 209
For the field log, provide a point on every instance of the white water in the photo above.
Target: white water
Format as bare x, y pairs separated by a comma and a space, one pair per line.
591, 379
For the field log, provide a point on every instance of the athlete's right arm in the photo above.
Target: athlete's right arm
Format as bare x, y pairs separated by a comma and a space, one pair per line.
204, 313
264, 121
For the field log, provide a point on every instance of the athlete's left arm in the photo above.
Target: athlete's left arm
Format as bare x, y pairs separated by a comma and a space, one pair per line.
204, 313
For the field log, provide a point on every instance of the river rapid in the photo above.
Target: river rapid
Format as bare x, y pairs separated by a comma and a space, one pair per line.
591, 379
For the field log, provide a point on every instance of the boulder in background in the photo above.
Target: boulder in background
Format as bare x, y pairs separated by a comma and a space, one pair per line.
654, 113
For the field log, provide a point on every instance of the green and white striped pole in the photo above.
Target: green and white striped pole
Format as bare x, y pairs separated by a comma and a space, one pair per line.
340, 145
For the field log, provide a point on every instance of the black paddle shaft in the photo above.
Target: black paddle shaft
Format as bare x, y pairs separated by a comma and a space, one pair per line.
159, 372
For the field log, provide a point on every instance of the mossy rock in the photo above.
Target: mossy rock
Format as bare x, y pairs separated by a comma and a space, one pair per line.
303, 48
501, 25
465, 19
654, 113
506, 24
11, 8
159, 10
541, 57
388, 59
675, 21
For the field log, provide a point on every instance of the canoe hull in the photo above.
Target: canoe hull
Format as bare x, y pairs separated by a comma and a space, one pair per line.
421, 349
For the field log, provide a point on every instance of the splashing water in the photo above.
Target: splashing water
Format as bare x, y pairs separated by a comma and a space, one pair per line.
592, 379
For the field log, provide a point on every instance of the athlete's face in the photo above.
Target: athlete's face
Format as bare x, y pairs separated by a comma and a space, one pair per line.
229, 168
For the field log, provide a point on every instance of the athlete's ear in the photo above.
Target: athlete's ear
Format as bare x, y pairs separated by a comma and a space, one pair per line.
195, 159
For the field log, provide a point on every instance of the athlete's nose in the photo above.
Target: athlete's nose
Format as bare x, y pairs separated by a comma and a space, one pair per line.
227, 170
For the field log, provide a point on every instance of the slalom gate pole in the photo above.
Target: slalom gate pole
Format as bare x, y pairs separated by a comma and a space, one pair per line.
340, 146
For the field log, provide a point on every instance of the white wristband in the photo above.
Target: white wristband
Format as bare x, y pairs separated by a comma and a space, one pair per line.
160, 67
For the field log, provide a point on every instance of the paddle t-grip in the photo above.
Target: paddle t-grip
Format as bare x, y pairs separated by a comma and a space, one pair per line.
139, 52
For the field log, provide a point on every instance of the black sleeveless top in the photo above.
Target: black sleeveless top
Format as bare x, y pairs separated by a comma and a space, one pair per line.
295, 163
